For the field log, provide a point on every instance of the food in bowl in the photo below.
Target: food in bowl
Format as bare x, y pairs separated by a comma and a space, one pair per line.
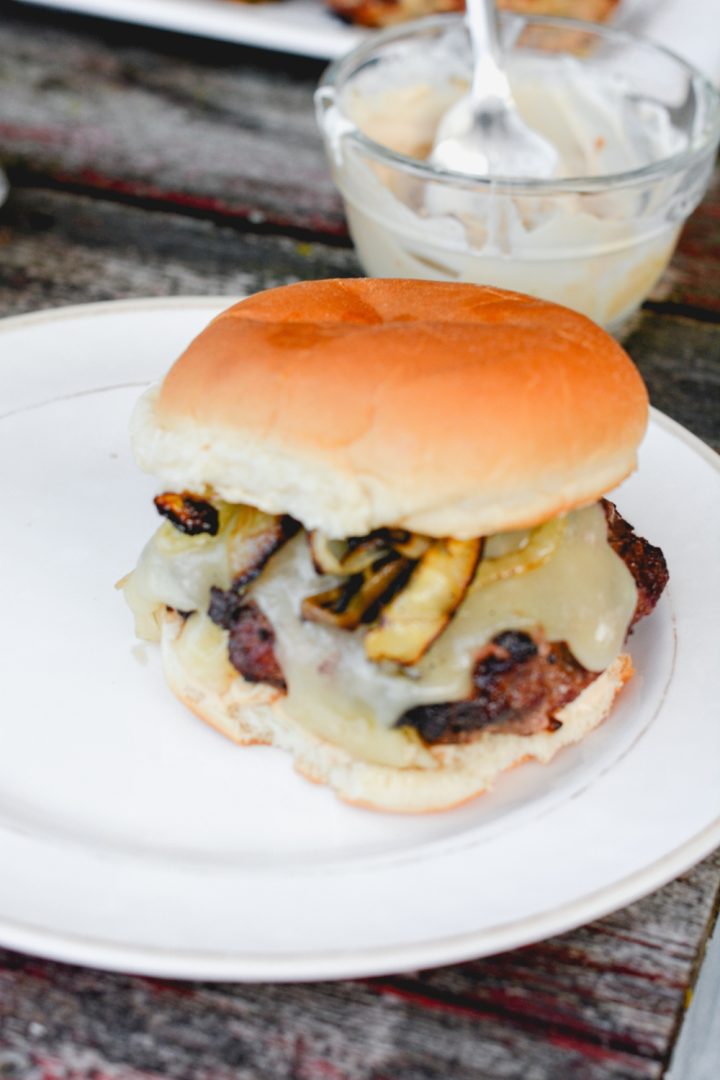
386, 547
635, 129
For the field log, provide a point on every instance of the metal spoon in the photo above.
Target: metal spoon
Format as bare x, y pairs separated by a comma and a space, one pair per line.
483, 134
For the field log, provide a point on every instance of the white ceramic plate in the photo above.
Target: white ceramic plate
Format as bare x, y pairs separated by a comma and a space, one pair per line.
134, 837
305, 27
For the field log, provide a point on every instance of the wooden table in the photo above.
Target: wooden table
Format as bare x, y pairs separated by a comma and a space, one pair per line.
147, 164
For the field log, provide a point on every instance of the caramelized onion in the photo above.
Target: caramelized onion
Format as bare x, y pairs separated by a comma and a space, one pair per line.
541, 543
410, 545
344, 557
189, 513
415, 617
357, 599
357, 553
252, 537
326, 554
232, 556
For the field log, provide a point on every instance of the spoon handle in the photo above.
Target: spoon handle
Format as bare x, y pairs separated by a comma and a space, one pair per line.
489, 80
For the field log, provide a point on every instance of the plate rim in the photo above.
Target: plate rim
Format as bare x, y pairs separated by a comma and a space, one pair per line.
102, 307
334, 963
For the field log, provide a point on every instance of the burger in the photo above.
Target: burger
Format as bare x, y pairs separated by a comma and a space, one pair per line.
385, 546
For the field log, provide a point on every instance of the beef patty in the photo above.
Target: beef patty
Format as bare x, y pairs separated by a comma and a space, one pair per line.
519, 683
251, 637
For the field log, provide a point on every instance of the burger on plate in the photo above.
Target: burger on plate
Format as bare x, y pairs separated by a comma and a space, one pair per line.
385, 546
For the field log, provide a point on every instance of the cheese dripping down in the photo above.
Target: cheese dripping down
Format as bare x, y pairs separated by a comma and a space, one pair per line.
583, 594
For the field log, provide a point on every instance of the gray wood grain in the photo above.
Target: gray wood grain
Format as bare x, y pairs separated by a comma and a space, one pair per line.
679, 359
207, 127
59, 249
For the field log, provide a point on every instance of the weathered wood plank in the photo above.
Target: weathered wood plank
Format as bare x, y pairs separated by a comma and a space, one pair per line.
679, 359
600, 1002
214, 129
57, 249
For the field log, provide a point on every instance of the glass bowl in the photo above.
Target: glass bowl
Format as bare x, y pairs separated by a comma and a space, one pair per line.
636, 126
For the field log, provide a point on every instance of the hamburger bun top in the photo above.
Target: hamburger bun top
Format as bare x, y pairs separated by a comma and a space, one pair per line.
448, 409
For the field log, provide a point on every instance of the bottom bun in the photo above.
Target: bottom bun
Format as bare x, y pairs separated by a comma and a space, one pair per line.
251, 713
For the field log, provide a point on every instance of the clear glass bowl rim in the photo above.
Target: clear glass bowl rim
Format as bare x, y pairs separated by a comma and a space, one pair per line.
344, 65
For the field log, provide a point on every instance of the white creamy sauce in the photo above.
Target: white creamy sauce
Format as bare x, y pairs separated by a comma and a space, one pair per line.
583, 594
598, 253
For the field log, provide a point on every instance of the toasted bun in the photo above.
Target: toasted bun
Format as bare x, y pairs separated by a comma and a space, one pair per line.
251, 713
448, 409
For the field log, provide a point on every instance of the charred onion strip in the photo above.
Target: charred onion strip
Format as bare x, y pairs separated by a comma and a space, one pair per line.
415, 617
339, 606
188, 513
253, 537
250, 536
409, 545
355, 555
540, 545
341, 557
358, 599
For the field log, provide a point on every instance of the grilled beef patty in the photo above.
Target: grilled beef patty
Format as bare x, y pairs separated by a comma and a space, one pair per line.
251, 645
518, 684
645, 562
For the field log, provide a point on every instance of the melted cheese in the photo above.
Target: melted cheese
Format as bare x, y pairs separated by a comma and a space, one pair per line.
202, 648
175, 571
583, 594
